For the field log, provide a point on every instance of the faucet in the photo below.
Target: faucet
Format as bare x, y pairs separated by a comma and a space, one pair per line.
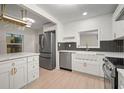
87, 49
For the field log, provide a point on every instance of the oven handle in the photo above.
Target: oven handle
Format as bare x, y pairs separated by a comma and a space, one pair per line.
103, 67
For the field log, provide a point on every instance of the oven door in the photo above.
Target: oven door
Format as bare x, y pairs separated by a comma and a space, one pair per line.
108, 79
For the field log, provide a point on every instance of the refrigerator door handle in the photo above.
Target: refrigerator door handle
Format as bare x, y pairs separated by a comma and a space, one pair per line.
42, 42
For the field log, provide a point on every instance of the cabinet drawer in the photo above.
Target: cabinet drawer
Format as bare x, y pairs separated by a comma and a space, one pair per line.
33, 75
18, 61
36, 58
32, 66
30, 59
6, 64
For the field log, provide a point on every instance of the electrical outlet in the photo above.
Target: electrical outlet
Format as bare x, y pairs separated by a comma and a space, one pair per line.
69, 45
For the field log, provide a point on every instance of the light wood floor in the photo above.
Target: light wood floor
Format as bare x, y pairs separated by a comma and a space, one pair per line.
62, 79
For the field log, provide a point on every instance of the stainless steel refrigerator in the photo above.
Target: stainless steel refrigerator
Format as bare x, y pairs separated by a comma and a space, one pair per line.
47, 43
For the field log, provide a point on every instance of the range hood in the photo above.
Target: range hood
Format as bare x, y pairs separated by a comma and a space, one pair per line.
5, 18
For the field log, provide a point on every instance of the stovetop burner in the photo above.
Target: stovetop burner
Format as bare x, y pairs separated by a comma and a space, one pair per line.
117, 62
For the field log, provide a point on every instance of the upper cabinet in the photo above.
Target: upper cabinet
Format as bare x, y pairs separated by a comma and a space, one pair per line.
88, 39
118, 22
14, 42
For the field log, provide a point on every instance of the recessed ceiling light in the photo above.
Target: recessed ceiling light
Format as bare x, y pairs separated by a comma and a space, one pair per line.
84, 13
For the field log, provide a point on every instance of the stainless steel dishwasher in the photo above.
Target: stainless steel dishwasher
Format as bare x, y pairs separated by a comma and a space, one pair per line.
65, 60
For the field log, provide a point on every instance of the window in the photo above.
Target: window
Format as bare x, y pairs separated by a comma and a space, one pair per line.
88, 39
14, 43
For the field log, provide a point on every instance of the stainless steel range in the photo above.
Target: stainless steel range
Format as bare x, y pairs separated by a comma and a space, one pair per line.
109, 75
110, 71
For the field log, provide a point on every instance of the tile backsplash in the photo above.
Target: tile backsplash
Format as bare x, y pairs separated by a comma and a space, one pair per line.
105, 46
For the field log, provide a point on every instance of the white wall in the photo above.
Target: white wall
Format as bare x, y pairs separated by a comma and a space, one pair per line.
37, 39
103, 23
29, 37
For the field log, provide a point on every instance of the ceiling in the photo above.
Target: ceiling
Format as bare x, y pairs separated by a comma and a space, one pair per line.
62, 12
72, 12
15, 11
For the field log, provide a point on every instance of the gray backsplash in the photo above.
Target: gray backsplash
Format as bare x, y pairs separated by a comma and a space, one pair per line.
105, 46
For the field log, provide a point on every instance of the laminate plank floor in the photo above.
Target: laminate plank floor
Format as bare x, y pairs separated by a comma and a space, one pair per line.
62, 79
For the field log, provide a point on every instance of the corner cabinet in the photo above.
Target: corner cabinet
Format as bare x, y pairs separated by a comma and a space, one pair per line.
118, 22
15, 73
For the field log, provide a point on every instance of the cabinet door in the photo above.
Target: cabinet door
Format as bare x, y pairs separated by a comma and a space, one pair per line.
33, 75
78, 65
6, 77
118, 29
20, 76
92, 68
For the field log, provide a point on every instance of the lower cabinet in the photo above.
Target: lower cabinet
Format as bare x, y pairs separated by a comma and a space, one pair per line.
87, 64
13, 73
6, 77
20, 73
17, 73
32, 75
33, 68
120, 80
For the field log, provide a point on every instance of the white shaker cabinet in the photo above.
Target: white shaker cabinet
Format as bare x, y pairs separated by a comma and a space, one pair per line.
33, 68
92, 67
6, 77
120, 78
87, 63
118, 29
20, 76
17, 72
13, 73
118, 22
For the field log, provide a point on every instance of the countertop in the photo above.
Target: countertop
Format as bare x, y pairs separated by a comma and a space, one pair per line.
106, 54
4, 57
